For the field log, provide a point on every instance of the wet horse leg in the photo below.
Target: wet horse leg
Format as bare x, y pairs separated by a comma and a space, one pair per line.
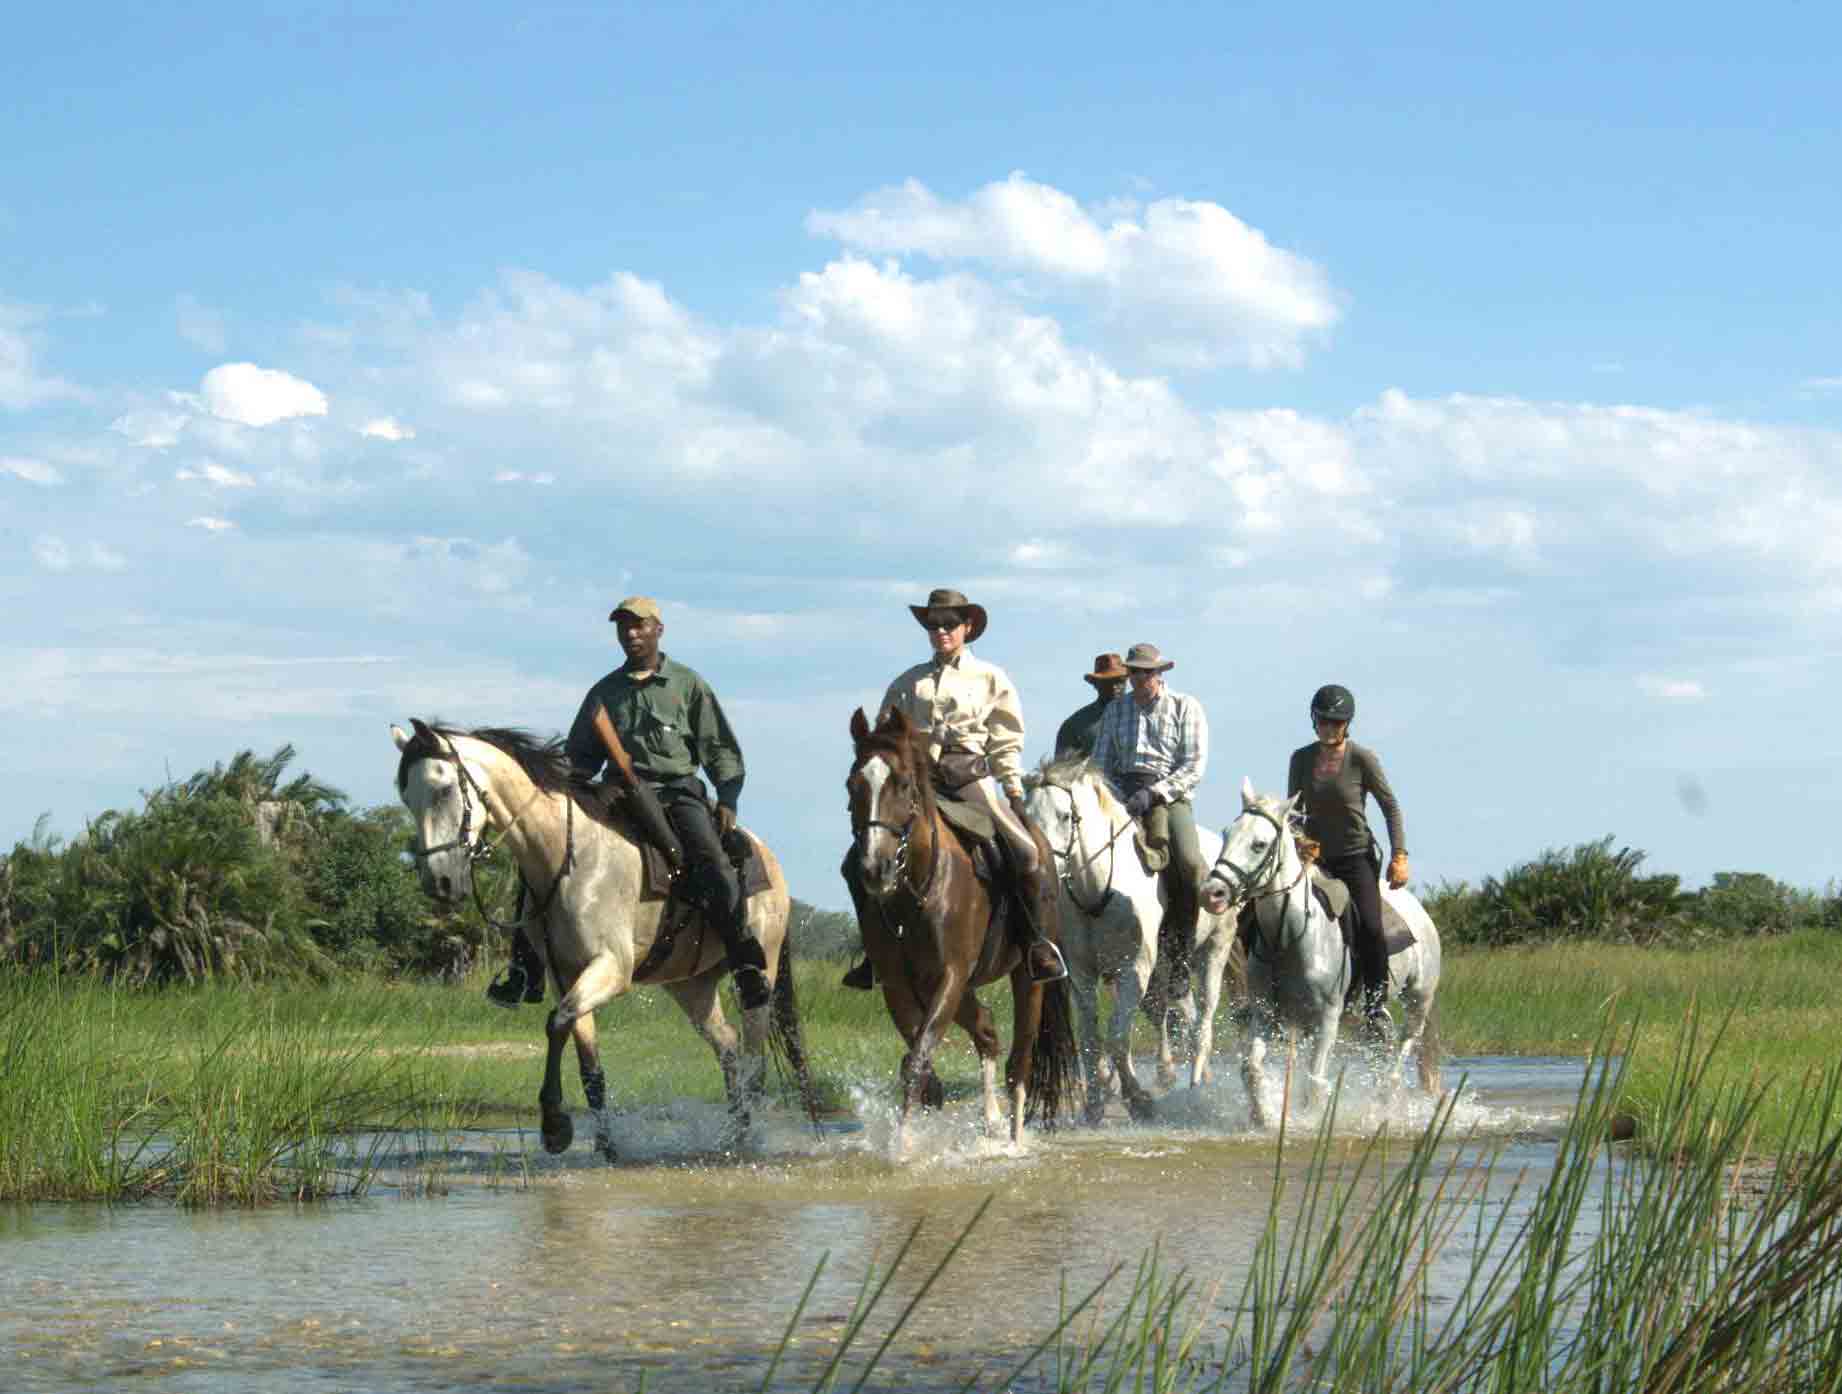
976, 1020
698, 999
1085, 985
1132, 985
594, 1083
921, 1026
595, 984
1026, 1019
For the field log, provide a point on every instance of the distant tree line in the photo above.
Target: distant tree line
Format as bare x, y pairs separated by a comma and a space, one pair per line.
242, 871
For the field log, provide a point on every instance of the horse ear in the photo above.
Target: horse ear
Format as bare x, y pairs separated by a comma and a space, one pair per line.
400, 736
860, 727
422, 728
1247, 793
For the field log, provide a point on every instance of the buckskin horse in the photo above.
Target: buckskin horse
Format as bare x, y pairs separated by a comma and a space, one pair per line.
589, 922
929, 929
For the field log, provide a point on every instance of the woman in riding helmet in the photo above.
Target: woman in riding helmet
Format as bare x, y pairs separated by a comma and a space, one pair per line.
1336, 777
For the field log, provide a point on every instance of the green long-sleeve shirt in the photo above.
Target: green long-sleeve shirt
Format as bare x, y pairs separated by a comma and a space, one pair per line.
1334, 803
671, 725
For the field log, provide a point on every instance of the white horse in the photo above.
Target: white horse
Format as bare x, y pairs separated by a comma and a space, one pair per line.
1110, 912
589, 923
1299, 971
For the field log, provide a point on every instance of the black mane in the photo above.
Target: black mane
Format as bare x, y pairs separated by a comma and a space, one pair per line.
542, 759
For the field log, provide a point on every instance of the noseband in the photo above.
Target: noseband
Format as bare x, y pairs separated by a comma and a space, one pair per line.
902, 833
1264, 870
483, 850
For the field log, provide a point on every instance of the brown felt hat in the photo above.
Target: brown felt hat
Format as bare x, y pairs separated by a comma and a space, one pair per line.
1146, 658
1107, 668
641, 607
941, 598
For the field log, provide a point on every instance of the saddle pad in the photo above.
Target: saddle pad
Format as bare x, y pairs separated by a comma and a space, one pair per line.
656, 872
1335, 893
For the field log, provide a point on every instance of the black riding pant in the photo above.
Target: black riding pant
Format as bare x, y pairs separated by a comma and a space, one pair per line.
1371, 947
713, 883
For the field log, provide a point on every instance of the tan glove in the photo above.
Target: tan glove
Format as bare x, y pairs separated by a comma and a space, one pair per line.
1309, 849
1397, 871
725, 820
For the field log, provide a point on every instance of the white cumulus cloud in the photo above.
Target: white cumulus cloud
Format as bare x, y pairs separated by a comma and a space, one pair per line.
1186, 279
386, 428
1671, 689
252, 396
210, 472
210, 524
55, 554
30, 470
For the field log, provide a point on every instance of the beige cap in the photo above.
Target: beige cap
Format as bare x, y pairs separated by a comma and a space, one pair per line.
641, 607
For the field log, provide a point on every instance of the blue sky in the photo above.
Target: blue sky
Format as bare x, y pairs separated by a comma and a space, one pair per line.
352, 363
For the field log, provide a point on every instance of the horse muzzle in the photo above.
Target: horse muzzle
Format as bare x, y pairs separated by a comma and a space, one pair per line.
1215, 895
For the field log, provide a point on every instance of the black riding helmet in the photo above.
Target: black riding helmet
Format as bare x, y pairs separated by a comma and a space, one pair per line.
1333, 702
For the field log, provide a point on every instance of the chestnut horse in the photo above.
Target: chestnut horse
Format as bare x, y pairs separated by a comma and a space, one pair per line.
926, 921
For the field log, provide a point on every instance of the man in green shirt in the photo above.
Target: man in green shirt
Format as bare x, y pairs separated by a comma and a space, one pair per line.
670, 725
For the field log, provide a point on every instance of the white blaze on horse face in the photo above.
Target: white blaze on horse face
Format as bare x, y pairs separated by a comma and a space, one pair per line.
880, 844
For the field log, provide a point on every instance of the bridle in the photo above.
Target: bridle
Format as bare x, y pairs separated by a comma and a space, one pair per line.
485, 847
902, 832
1067, 855
1264, 870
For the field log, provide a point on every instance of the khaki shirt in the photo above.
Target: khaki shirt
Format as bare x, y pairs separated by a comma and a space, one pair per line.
967, 704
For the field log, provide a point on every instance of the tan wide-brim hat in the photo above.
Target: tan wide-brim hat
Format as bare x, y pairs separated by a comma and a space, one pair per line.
1147, 659
641, 607
944, 599
1107, 668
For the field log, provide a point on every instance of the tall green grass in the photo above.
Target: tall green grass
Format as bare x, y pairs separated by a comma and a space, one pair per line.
1707, 1268
221, 1096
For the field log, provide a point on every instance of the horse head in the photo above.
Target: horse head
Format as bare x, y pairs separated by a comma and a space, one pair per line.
1075, 812
445, 798
889, 794
1256, 853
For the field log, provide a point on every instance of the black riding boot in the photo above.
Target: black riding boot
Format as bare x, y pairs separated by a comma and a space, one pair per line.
747, 961
523, 978
1045, 959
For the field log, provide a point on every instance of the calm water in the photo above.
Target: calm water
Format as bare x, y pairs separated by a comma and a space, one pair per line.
677, 1266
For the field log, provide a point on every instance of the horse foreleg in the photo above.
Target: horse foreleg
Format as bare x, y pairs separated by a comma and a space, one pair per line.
1214, 961
1129, 991
594, 1084
1026, 1021
1086, 990
922, 1028
1323, 1041
1253, 1066
976, 1021
557, 1131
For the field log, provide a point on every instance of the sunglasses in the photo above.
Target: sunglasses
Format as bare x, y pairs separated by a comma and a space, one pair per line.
942, 622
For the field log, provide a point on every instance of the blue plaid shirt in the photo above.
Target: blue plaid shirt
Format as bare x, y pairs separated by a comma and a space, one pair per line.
1168, 745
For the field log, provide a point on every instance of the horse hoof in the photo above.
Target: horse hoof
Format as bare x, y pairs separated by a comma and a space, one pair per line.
1142, 1109
934, 1093
558, 1133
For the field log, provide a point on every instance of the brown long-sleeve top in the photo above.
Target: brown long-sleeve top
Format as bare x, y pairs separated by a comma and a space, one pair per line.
1336, 785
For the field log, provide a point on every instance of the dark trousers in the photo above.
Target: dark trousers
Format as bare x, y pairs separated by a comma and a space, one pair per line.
1182, 888
1370, 948
713, 883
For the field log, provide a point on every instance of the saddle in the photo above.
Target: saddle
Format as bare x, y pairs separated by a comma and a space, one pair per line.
1335, 897
656, 879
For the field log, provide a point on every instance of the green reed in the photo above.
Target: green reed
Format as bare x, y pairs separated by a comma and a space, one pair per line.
1698, 1266
218, 1096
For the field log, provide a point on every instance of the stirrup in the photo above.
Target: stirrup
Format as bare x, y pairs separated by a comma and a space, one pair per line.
1061, 964
862, 977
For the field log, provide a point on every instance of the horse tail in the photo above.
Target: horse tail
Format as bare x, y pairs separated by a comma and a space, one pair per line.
785, 1037
1055, 1061
1431, 1051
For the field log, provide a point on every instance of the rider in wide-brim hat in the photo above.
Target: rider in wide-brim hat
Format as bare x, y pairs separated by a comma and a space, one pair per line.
1076, 735
941, 602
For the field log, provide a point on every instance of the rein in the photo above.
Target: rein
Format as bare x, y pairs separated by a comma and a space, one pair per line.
1110, 847
903, 832
484, 848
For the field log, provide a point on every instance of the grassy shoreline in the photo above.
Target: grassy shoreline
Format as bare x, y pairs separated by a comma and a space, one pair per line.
253, 1089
